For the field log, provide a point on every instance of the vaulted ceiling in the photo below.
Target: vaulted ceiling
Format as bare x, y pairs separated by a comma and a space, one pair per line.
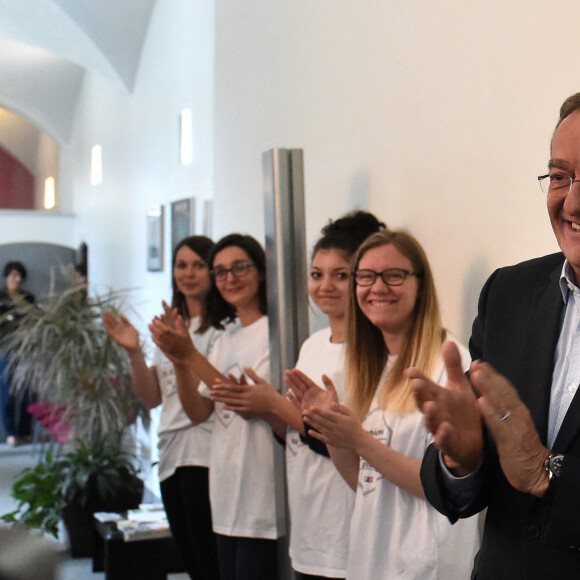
47, 46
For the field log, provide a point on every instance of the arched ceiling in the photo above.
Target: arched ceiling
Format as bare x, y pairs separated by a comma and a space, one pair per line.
47, 46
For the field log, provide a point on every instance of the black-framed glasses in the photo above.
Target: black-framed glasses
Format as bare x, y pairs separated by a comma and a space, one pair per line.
391, 277
556, 183
239, 270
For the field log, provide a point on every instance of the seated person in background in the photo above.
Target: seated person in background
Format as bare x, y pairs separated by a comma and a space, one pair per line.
15, 417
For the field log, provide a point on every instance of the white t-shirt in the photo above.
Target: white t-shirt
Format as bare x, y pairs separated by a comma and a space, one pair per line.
180, 441
394, 534
320, 501
246, 478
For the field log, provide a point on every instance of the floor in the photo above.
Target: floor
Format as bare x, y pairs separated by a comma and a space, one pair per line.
12, 461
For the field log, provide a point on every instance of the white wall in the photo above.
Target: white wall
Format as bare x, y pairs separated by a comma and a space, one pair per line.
436, 116
139, 135
25, 226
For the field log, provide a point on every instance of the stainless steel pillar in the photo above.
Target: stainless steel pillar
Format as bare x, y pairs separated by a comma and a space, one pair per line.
286, 256
287, 276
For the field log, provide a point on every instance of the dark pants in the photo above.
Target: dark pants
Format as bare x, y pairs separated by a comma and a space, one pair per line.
186, 499
15, 418
247, 558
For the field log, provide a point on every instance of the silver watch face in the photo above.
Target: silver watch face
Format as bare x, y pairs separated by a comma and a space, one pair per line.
555, 465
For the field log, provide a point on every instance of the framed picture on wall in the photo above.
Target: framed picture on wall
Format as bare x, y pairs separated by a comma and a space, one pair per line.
155, 238
182, 220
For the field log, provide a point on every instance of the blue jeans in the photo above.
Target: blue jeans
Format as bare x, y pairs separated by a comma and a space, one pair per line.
15, 417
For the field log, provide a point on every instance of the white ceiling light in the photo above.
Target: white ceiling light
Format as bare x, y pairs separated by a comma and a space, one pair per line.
186, 137
49, 193
96, 165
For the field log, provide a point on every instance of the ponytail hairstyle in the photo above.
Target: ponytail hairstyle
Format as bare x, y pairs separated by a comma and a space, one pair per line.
347, 233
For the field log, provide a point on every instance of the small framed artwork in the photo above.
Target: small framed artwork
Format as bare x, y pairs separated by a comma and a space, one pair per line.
207, 218
155, 238
182, 220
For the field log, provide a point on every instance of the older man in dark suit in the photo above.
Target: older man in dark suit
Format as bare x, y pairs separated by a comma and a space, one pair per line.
514, 445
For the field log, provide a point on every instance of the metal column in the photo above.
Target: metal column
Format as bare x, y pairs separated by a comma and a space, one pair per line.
286, 272
286, 259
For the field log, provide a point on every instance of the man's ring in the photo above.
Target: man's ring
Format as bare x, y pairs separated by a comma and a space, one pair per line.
507, 414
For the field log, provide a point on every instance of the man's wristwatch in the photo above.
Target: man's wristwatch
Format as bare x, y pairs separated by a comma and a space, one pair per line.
553, 466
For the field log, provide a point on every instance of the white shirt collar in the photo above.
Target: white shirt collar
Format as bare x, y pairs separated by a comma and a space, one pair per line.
567, 281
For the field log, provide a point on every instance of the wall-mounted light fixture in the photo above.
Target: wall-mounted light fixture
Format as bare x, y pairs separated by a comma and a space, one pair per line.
186, 137
96, 165
49, 193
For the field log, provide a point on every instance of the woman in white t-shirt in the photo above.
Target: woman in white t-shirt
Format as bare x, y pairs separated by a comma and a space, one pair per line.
184, 447
246, 463
377, 438
319, 500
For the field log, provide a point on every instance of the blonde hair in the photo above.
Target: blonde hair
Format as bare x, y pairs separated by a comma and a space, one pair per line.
366, 351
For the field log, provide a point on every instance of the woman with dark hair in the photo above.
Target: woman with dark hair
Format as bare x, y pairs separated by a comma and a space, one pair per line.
320, 502
377, 438
17, 421
246, 463
219, 311
183, 446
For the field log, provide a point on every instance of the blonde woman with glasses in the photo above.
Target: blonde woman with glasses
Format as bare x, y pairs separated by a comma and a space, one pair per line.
377, 438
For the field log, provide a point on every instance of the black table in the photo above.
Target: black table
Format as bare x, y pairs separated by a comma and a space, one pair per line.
147, 559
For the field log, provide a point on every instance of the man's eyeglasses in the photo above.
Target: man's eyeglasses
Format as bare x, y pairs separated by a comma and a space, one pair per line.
391, 277
238, 270
556, 183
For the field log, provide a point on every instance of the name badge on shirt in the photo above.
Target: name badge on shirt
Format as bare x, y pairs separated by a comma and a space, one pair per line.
224, 416
369, 477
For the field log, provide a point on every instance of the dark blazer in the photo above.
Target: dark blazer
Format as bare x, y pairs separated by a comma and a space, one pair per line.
10, 314
516, 330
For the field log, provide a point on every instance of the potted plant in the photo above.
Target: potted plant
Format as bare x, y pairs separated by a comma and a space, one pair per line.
62, 353
72, 486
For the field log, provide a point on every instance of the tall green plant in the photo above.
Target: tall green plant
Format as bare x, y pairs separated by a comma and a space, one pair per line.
62, 352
